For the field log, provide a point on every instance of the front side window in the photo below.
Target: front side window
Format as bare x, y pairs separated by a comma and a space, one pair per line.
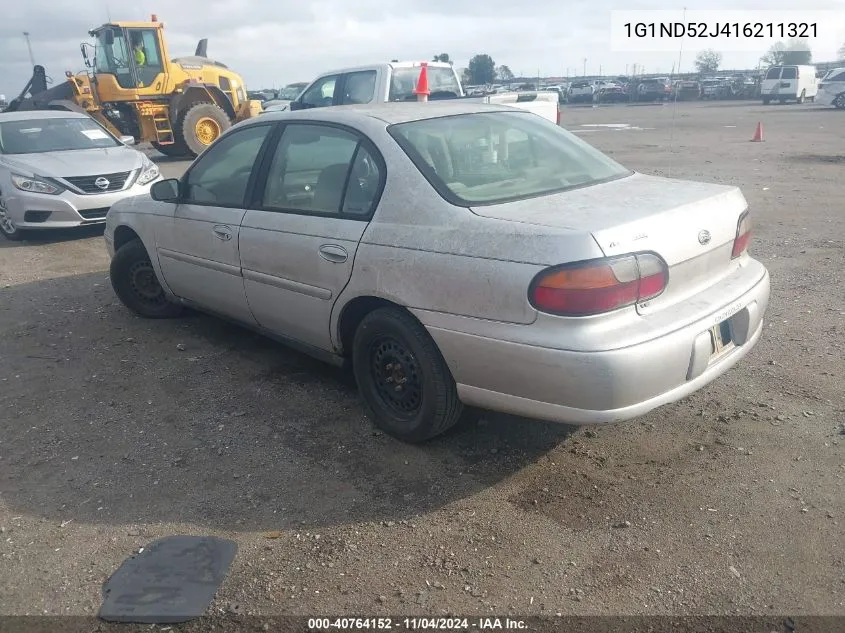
34, 136
322, 170
321, 93
837, 77
112, 56
221, 175
774, 73
488, 158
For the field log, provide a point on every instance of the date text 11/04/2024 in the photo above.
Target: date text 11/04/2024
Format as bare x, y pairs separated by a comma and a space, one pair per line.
416, 624
763, 30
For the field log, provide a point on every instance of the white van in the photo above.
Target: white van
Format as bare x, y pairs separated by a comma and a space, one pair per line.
789, 83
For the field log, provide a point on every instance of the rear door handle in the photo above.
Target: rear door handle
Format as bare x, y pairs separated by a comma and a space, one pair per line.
333, 253
222, 232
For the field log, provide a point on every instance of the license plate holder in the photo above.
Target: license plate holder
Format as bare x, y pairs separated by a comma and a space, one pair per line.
721, 339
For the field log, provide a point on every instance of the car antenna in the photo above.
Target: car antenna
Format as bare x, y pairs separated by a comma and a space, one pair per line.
675, 100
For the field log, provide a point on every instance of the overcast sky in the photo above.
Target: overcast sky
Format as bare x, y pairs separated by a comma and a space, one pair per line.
275, 42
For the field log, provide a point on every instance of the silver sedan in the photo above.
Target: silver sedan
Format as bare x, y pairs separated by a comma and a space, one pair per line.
62, 169
456, 254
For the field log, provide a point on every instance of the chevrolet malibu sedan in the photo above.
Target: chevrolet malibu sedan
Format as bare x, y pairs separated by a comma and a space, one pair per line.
454, 254
62, 169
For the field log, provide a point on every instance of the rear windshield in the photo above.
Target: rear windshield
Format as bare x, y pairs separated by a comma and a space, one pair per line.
33, 136
493, 157
442, 82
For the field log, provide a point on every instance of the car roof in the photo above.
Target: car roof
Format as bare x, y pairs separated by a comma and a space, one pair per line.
389, 113
29, 115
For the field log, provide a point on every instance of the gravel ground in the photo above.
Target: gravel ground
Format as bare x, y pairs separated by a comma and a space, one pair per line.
116, 431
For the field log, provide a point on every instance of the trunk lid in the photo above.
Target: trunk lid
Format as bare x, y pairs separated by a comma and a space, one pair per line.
691, 225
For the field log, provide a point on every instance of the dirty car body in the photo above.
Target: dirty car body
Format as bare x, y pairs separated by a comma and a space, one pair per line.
62, 169
550, 281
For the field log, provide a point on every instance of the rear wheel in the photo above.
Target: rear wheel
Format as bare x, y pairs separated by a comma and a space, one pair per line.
402, 376
802, 96
201, 125
766, 101
136, 285
839, 102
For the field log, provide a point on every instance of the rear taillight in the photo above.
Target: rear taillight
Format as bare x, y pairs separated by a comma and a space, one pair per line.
599, 285
743, 235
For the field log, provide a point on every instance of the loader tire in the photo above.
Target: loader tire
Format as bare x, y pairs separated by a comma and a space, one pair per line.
201, 125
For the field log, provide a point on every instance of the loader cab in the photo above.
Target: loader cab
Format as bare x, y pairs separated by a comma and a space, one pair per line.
122, 72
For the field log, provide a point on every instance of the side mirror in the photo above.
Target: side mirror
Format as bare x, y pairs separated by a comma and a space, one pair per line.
127, 140
84, 48
296, 105
165, 190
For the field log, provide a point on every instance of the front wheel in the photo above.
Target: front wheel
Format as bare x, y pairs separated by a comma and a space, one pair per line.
402, 376
7, 225
136, 285
839, 102
201, 125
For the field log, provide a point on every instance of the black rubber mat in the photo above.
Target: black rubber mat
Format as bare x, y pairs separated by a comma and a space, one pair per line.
173, 580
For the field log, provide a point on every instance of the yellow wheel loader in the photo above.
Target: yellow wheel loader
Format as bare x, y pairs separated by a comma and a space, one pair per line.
133, 88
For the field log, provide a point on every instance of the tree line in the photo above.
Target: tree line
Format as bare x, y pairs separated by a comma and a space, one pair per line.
793, 53
483, 70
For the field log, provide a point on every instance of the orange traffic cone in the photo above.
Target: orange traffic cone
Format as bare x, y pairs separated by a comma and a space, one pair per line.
758, 133
422, 90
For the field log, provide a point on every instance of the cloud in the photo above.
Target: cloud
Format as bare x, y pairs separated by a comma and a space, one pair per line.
273, 42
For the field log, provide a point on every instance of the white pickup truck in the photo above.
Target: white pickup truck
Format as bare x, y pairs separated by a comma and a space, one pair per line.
395, 82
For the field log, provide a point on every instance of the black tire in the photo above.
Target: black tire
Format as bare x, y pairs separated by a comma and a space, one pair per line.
766, 101
839, 102
174, 150
188, 125
429, 404
136, 285
801, 97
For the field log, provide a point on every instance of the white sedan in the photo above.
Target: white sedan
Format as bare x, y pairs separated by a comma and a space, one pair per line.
62, 169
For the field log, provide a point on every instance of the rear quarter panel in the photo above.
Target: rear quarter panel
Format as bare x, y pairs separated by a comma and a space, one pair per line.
423, 253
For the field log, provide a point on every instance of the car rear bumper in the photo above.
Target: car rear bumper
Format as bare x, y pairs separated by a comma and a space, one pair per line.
607, 386
41, 211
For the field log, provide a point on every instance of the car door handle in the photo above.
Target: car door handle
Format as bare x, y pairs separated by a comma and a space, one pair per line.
222, 232
333, 253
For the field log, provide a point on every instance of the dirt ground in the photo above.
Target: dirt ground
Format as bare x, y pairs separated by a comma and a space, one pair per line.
116, 431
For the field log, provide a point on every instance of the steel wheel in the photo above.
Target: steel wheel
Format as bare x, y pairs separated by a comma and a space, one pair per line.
839, 102
396, 375
207, 130
144, 283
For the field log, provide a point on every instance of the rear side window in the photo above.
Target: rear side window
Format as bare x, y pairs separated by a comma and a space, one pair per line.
322, 170
360, 87
774, 73
789, 72
489, 158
